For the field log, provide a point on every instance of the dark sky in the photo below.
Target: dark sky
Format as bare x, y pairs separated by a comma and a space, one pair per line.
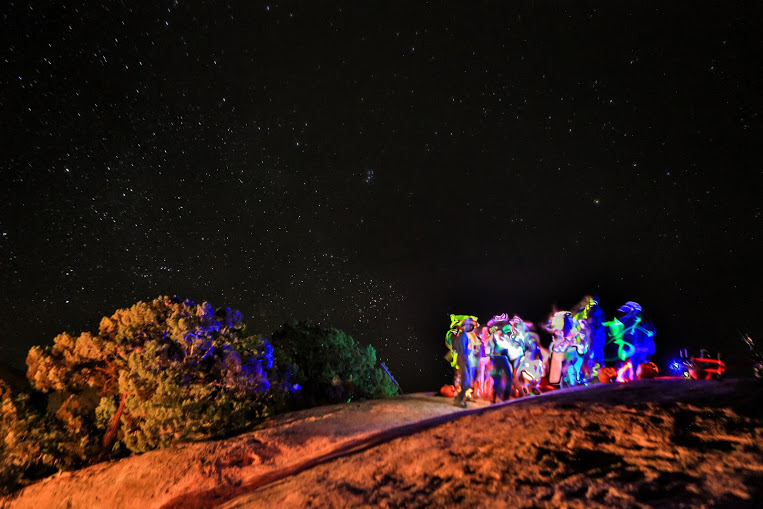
377, 166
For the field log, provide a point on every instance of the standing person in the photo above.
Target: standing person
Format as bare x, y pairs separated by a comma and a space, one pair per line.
462, 349
499, 354
483, 360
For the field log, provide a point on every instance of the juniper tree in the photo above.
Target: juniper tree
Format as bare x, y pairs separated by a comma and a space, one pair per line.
165, 371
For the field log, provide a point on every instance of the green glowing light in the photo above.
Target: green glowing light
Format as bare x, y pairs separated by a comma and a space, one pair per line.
625, 350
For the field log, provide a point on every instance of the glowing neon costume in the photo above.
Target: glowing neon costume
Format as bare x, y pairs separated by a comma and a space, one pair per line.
458, 338
568, 349
624, 350
634, 342
499, 354
483, 361
588, 314
455, 326
515, 347
625, 373
529, 367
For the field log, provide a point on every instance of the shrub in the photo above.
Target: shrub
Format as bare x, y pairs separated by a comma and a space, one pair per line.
164, 371
25, 438
325, 365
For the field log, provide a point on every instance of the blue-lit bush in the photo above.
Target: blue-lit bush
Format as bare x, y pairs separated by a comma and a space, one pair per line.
162, 372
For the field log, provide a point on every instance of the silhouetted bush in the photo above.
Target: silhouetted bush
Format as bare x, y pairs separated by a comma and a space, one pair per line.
325, 365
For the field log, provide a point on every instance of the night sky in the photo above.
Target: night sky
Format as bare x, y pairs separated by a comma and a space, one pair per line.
378, 166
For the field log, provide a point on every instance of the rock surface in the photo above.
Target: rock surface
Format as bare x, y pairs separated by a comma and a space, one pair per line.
657, 443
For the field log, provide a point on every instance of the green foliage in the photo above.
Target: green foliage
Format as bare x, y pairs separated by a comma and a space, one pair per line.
26, 437
168, 371
327, 366
165, 371
14, 452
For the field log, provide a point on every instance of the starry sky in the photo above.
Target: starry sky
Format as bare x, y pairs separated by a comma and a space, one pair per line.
377, 166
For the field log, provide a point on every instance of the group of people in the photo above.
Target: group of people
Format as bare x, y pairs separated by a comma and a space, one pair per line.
505, 357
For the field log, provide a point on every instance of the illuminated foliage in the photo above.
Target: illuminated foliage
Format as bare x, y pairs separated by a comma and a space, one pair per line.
26, 437
15, 450
168, 371
325, 365
162, 372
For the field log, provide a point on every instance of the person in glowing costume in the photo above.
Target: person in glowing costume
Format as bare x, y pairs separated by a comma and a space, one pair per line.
639, 335
529, 367
516, 343
483, 361
499, 354
459, 340
634, 342
568, 350
588, 317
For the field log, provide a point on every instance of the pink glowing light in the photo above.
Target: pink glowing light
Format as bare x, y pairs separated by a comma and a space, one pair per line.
625, 373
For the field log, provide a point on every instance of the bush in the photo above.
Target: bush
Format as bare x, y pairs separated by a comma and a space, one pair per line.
325, 365
164, 372
168, 371
26, 436
14, 459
